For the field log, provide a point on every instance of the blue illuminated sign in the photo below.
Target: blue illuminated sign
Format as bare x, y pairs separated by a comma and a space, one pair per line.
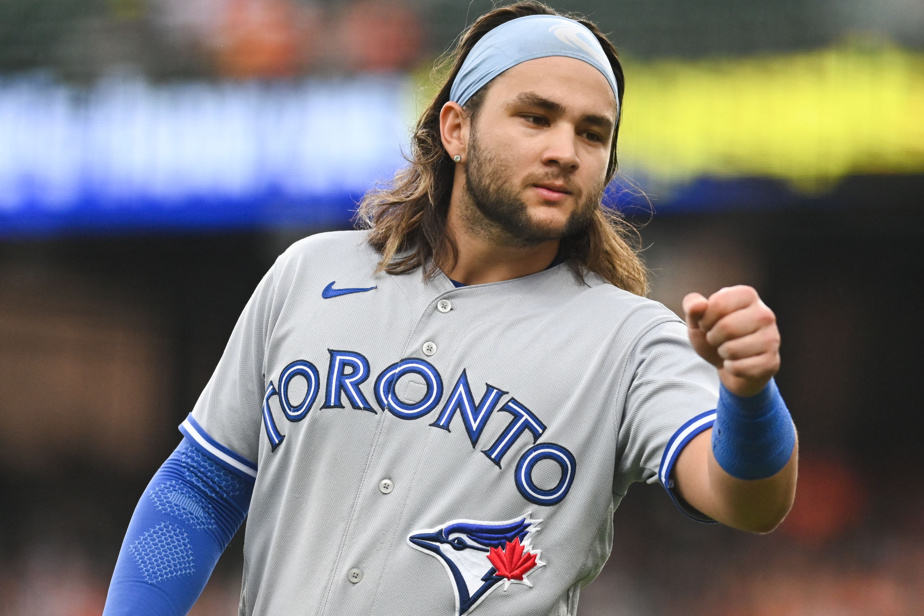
126, 153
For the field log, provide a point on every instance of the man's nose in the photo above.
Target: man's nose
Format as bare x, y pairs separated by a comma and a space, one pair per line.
561, 148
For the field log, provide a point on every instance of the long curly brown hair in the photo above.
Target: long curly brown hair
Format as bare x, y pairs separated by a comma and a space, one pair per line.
407, 219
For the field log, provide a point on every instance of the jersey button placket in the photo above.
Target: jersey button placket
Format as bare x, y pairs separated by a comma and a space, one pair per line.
429, 348
444, 305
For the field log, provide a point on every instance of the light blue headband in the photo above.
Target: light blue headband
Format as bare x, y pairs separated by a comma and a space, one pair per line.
527, 38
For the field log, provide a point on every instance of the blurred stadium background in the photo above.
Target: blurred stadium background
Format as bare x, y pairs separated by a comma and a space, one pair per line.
156, 155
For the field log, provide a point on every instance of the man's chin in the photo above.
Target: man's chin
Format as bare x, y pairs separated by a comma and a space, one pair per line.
534, 234
555, 227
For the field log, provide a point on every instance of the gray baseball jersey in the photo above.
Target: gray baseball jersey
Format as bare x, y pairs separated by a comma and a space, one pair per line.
423, 448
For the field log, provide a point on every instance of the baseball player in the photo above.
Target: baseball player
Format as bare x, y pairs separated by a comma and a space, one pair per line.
439, 413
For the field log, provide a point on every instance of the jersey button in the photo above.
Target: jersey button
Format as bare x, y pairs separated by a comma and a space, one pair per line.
386, 486
429, 348
355, 575
444, 305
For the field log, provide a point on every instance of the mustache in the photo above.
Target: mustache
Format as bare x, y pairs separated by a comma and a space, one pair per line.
559, 179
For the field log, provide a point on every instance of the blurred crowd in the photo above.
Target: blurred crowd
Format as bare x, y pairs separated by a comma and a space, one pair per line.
80, 40
283, 38
208, 39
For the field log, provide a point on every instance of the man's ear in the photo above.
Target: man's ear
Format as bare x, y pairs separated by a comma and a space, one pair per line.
454, 129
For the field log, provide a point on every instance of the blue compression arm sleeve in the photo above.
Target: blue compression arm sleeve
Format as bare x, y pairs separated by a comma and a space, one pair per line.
183, 522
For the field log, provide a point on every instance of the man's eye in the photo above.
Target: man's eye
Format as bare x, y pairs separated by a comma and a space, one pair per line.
535, 119
592, 136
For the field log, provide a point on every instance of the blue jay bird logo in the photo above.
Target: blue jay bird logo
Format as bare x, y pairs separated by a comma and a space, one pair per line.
480, 555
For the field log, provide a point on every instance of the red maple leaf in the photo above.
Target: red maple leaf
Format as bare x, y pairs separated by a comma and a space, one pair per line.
512, 561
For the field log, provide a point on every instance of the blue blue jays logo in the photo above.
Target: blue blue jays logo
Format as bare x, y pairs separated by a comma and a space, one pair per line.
480, 555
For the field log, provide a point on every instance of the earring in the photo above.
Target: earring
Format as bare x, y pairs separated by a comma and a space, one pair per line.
457, 157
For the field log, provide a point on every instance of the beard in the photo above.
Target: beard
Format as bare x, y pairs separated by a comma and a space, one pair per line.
505, 214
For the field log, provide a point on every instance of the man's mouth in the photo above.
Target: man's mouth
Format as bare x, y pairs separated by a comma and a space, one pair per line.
552, 191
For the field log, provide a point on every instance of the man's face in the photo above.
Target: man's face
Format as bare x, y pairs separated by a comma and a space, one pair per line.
538, 151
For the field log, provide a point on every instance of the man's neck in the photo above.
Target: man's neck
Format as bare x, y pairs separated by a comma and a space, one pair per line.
483, 259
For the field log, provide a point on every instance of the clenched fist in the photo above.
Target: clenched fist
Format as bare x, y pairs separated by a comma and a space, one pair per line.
736, 332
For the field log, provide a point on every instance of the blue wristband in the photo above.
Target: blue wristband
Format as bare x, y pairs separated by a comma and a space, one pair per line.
753, 438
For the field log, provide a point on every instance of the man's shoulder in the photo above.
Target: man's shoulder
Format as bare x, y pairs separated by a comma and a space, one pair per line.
611, 302
319, 253
330, 247
330, 241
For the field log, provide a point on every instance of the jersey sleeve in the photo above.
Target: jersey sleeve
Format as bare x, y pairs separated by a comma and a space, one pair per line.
226, 418
671, 398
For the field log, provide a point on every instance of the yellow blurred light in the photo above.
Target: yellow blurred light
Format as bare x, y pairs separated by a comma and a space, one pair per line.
809, 118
